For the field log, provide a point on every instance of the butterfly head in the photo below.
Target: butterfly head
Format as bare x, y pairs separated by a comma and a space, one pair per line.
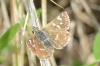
35, 30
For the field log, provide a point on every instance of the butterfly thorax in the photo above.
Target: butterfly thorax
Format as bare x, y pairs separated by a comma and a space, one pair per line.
43, 38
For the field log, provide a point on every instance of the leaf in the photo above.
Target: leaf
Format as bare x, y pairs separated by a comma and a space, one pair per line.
6, 38
77, 63
2, 59
93, 64
96, 47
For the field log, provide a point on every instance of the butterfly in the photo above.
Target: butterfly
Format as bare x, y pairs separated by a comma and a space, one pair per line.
54, 35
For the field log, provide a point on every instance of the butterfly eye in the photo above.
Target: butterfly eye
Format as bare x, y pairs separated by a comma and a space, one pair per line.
35, 29
32, 31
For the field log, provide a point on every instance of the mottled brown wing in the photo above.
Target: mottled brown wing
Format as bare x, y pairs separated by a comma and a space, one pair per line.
37, 48
57, 30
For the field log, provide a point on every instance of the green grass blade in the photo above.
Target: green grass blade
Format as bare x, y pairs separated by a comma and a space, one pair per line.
96, 47
6, 38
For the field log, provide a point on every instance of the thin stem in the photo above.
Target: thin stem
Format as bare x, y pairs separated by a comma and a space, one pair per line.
32, 12
45, 62
44, 12
24, 28
87, 8
35, 23
56, 4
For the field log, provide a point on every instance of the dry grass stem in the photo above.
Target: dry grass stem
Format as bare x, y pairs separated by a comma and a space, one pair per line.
44, 12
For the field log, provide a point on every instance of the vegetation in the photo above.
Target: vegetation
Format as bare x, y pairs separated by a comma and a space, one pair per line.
83, 48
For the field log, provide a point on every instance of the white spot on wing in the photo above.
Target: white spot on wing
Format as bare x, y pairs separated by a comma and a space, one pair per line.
41, 49
58, 26
56, 37
61, 23
33, 45
54, 24
59, 18
30, 42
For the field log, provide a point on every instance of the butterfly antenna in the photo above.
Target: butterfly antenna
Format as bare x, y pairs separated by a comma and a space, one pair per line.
56, 4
